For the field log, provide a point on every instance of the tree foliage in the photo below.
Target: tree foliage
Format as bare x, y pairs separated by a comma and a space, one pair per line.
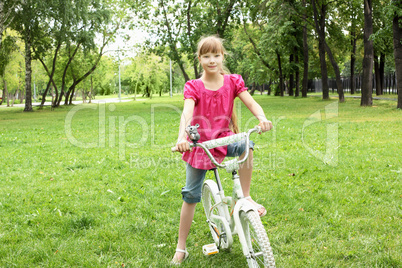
279, 44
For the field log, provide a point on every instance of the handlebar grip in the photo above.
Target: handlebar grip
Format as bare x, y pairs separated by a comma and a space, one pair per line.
174, 149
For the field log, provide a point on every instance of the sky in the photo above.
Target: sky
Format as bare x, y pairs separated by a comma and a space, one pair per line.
126, 48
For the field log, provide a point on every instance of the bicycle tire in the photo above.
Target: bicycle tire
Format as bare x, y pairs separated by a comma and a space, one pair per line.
221, 231
260, 251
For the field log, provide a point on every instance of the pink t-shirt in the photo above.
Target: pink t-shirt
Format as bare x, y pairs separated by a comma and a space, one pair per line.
212, 111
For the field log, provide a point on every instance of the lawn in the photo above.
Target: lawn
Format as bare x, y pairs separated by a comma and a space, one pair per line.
96, 185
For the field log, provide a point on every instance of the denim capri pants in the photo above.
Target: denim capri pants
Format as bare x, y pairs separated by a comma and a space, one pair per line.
195, 177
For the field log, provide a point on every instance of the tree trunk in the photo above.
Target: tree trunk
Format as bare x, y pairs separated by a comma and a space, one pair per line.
320, 28
397, 29
321, 35
3, 23
79, 80
56, 97
223, 18
281, 84
12, 97
305, 53
382, 71
269, 87
377, 75
90, 91
5, 90
52, 92
63, 80
297, 92
339, 85
172, 44
189, 34
45, 93
324, 71
256, 50
72, 90
291, 76
28, 74
68, 99
352, 63
367, 83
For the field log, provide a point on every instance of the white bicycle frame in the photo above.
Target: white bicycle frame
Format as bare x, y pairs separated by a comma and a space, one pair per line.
237, 202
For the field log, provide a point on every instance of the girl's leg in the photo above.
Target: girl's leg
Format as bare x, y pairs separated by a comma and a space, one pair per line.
245, 171
191, 196
186, 218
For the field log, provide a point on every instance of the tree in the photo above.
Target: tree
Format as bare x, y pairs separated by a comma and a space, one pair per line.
73, 26
103, 76
352, 21
319, 20
305, 52
274, 33
148, 74
397, 30
382, 41
320, 27
6, 16
12, 76
7, 48
367, 83
89, 64
176, 27
28, 17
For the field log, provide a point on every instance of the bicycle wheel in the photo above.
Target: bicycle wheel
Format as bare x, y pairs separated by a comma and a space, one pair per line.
218, 225
260, 251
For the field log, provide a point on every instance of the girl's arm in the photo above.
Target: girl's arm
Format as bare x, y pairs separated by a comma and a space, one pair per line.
256, 110
188, 110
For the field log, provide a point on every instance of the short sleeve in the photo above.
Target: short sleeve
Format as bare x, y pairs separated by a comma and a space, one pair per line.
238, 82
191, 91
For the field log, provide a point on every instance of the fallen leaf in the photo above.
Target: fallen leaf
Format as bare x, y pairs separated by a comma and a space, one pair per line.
301, 209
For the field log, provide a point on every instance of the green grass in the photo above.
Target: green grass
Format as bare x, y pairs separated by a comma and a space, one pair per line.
118, 203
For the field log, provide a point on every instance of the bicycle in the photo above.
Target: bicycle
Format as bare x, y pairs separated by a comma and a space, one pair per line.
228, 216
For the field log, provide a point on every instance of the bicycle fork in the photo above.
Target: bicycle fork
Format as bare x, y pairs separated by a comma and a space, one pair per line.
240, 204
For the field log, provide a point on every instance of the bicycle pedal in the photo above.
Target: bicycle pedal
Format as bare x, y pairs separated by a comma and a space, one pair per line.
210, 249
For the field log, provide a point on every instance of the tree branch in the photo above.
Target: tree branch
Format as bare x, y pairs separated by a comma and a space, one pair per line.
256, 50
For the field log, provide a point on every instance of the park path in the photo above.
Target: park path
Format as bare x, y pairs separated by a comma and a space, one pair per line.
374, 98
95, 101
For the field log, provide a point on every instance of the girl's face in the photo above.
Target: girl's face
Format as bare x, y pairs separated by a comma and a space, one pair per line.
211, 62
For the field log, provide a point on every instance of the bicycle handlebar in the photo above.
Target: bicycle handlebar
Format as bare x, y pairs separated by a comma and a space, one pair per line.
232, 164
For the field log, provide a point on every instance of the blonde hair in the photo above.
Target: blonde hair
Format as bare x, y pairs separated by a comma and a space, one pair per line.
214, 44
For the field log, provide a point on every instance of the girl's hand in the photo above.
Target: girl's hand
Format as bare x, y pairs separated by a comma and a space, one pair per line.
265, 125
183, 146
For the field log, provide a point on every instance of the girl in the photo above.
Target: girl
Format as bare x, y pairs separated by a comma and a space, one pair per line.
209, 101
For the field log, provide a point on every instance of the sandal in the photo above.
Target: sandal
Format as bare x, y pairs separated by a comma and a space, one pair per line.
258, 206
178, 262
